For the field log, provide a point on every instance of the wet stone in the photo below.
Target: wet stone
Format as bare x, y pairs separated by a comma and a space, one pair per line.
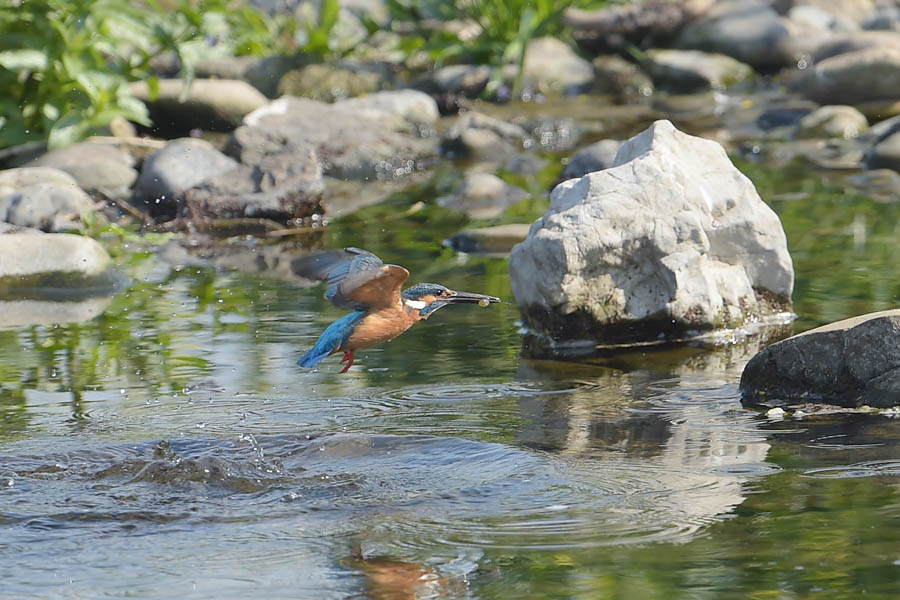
281, 186
688, 70
854, 362
482, 196
489, 240
177, 167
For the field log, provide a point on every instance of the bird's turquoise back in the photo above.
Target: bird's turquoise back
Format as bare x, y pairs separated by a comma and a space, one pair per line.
332, 338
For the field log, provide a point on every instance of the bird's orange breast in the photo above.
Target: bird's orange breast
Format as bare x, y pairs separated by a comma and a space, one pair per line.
381, 326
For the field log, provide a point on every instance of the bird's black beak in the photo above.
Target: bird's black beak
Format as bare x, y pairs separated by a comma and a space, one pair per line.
470, 298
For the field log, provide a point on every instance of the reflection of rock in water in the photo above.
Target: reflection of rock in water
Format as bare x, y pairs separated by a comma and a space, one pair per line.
21, 313
268, 260
687, 435
721, 356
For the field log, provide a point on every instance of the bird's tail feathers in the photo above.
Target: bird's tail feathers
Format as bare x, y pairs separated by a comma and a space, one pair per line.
331, 339
315, 355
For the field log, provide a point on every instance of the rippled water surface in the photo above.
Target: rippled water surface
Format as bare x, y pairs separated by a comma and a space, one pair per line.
170, 447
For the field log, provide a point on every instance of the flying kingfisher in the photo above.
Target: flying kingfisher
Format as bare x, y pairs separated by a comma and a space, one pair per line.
359, 280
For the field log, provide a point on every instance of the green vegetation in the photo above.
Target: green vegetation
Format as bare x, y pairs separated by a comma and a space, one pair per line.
503, 30
65, 65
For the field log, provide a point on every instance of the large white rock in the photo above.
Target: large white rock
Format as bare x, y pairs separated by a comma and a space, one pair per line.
671, 239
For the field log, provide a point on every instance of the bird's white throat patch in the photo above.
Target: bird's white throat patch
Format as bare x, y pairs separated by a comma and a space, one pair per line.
416, 304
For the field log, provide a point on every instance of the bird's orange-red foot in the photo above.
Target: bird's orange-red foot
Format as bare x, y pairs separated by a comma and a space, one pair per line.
348, 358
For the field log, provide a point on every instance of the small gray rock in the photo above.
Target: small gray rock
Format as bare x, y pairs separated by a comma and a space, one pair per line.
885, 19
855, 77
482, 196
178, 166
640, 24
849, 363
479, 135
596, 157
26, 255
525, 164
555, 68
43, 198
468, 80
748, 30
845, 43
833, 122
622, 79
885, 154
689, 70
414, 106
100, 169
489, 240
881, 184
883, 129
550, 133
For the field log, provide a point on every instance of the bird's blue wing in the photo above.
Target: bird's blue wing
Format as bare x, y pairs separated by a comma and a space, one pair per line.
357, 279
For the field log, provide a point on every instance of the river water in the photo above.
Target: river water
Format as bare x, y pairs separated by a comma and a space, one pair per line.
166, 444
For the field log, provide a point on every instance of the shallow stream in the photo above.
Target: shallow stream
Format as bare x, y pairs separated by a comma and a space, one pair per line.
170, 446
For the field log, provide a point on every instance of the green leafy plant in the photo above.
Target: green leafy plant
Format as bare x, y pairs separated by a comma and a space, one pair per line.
318, 31
65, 65
506, 26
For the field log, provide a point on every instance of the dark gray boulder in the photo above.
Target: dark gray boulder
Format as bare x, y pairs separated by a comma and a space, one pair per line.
170, 171
854, 362
280, 186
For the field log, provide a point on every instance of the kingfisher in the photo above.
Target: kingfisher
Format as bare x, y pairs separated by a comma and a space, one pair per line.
359, 280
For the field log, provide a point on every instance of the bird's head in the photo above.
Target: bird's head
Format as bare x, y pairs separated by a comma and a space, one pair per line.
428, 297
